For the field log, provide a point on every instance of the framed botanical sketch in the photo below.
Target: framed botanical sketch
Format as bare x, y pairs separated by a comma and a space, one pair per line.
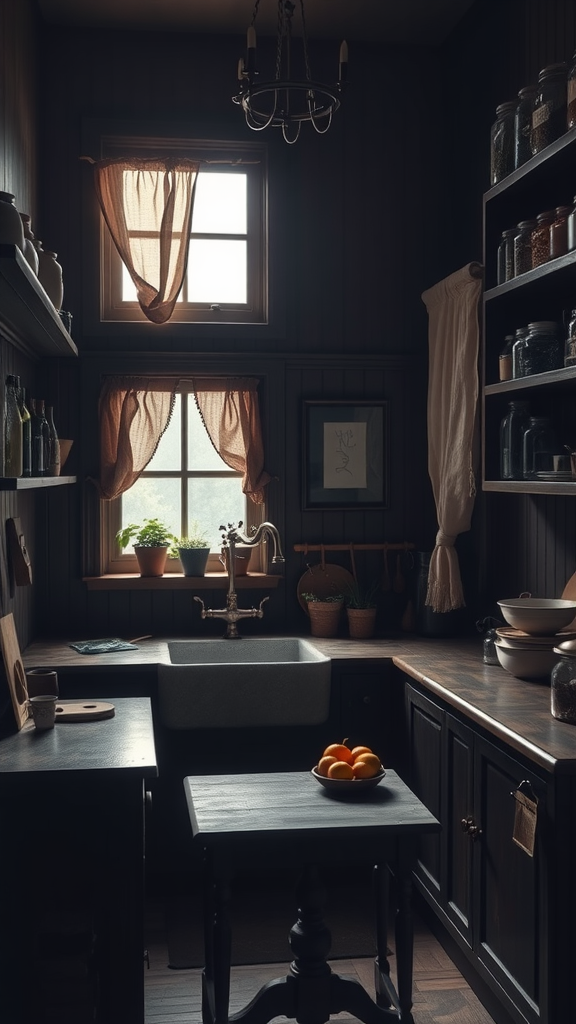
345, 455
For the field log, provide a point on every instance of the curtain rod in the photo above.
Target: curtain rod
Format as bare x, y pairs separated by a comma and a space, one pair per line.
231, 163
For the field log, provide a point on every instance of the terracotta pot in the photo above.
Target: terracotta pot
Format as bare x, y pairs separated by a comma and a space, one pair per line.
152, 561
324, 617
361, 622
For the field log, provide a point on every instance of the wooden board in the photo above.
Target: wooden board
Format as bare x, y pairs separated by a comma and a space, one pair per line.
83, 711
14, 669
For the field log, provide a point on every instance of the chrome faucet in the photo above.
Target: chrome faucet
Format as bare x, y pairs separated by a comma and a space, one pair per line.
231, 614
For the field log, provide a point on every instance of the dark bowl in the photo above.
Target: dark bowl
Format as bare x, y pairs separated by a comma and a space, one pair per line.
347, 787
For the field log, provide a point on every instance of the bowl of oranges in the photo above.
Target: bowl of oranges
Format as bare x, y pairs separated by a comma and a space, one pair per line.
348, 770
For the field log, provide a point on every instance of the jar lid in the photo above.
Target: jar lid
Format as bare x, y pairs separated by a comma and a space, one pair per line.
547, 215
567, 647
563, 210
527, 92
529, 223
544, 325
553, 71
505, 108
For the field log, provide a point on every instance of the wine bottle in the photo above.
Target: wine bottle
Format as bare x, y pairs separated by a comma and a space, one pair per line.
26, 430
45, 431
12, 430
53, 468
37, 440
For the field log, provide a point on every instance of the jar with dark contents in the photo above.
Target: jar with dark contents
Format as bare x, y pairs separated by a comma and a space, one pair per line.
502, 142
544, 349
572, 227
518, 348
523, 125
549, 118
505, 261
570, 343
563, 683
571, 93
523, 247
505, 359
559, 232
540, 239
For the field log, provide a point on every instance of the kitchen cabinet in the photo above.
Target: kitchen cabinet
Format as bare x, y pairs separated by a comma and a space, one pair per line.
548, 292
486, 890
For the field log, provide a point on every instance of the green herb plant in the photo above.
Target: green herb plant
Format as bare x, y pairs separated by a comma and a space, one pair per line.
330, 599
151, 534
361, 597
195, 539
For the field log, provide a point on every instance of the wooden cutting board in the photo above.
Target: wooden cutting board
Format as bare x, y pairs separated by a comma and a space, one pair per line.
83, 711
569, 594
14, 669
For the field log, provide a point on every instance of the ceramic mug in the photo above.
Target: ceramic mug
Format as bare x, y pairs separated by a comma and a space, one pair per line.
42, 681
43, 710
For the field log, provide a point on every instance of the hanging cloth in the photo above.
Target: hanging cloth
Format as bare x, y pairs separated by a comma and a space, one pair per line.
147, 205
453, 428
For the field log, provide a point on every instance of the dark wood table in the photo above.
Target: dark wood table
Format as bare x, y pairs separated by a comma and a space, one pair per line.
288, 817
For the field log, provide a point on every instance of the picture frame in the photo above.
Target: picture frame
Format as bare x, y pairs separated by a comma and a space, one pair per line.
345, 454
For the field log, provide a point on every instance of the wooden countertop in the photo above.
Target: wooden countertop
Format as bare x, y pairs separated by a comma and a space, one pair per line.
515, 711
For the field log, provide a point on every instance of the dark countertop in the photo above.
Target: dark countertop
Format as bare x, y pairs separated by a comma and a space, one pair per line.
515, 711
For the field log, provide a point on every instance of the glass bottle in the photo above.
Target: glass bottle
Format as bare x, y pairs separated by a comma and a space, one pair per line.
45, 433
571, 232
559, 232
505, 264
37, 440
518, 348
53, 468
505, 359
570, 344
523, 124
512, 430
11, 228
502, 142
571, 94
26, 430
563, 683
12, 430
540, 238
544, 350
549, 113
523, 247
539, 445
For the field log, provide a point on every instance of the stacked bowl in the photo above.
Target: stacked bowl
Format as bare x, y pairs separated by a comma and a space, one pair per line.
525, 647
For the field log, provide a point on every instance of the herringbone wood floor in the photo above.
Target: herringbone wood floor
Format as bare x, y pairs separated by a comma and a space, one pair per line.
440, 993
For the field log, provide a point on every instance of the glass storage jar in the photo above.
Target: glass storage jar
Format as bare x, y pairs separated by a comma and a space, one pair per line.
523, 124
544, 349
570, 343
502, 142
549, 120
505, 263
541, 238
572, 227
523, 247
539, 446
512, 429
563, 683
571, 94
518, 361
505, 359
559, 232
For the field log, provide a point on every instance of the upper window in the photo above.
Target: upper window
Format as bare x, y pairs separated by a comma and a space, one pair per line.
226, 279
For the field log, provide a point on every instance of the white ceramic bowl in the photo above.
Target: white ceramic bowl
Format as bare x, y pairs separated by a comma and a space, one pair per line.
539, 616
526, 663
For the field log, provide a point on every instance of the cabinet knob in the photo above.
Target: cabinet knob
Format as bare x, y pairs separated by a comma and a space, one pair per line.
471, 829
366, 700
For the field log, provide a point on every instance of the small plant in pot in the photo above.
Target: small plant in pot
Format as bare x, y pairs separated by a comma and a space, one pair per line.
193, 551
361, 610
324, 613
151, 541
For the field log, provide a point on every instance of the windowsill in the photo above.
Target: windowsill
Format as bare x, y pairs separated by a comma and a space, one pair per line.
176, 581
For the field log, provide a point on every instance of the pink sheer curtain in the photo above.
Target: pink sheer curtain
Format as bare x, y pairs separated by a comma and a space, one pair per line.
147, 205
230, 412
134, 412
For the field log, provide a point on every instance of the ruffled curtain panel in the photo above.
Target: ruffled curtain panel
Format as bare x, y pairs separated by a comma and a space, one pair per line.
134, 413
453, 428
148, 205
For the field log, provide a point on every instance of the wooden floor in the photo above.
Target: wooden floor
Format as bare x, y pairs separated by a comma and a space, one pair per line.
440, 993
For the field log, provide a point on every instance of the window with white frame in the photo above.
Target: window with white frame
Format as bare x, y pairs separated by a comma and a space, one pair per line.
227, 278
188, 487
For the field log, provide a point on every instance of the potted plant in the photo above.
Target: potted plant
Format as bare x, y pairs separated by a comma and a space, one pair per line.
151, 542
193, 551
361, 610
324, 613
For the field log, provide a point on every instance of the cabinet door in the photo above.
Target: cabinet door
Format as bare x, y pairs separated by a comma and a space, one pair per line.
365, 711
459, 836
510, 885
425, 735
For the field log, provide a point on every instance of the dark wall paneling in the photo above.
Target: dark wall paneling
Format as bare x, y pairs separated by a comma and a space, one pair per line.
18, 68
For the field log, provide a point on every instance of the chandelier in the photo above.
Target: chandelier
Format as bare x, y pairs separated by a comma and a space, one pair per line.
285, 101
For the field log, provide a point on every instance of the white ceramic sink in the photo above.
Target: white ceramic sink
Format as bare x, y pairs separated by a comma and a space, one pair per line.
209, 684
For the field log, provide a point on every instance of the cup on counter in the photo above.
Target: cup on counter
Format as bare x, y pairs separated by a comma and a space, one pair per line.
41, 681
43, 710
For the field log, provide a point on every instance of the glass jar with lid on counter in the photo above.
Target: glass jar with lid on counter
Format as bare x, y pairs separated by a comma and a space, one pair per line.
563, 683
549, 113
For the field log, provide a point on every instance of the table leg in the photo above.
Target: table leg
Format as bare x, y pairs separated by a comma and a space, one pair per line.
385, 994
217, 946
404, 930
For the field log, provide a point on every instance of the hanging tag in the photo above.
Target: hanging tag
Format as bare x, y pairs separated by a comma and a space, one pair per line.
525, 817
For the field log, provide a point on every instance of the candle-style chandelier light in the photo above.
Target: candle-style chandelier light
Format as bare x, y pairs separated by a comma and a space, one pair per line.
291, 96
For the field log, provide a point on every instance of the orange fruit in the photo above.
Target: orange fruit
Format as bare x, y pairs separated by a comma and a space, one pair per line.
340, 770
324, 764
356, 751
367, 766
340, 751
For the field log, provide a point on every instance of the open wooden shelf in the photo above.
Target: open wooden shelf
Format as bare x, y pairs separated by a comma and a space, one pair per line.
176, 581
28, 483
27, 317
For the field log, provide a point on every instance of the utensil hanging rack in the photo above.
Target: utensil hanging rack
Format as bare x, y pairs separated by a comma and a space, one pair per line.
351, 547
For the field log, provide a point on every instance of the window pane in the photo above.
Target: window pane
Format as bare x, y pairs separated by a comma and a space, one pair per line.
217, 271
152, 499
202, 454
168, 453
220, 204
213, 503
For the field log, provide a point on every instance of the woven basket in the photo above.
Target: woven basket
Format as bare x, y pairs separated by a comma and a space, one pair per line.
324, 617
361, 622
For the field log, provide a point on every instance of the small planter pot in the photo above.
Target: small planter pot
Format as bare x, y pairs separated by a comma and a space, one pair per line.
193, 560
361, 622
151, 561
324, 617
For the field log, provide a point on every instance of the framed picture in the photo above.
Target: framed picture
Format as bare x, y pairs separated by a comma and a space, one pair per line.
345, 457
